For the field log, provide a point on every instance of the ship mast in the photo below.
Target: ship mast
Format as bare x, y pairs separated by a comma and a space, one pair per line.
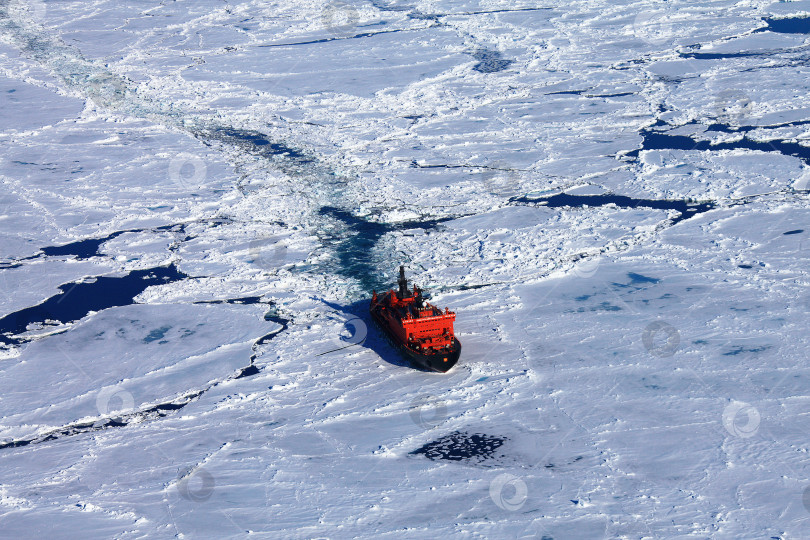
403, 283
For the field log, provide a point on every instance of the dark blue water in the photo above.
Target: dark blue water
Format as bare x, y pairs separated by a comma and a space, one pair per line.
720, 56
462, 446
472, 287
636, 279
156, 334
247, 372
657, 140
687, 209
580, 92
739, 350
490, 61
154, 412
361, 35
247, 300
792, 25
257, 143
78, 299
90, 247
83, 249
619, 94
353, 246
270, 316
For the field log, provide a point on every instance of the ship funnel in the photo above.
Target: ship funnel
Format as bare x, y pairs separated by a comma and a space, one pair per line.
403, 283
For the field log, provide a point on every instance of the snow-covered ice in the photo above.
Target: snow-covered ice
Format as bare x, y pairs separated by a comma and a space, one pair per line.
198, 197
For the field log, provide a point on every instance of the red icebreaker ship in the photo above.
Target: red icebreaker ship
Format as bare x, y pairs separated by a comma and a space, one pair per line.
423, 332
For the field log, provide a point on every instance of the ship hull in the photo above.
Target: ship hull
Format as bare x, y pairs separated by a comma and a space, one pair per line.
439, 361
